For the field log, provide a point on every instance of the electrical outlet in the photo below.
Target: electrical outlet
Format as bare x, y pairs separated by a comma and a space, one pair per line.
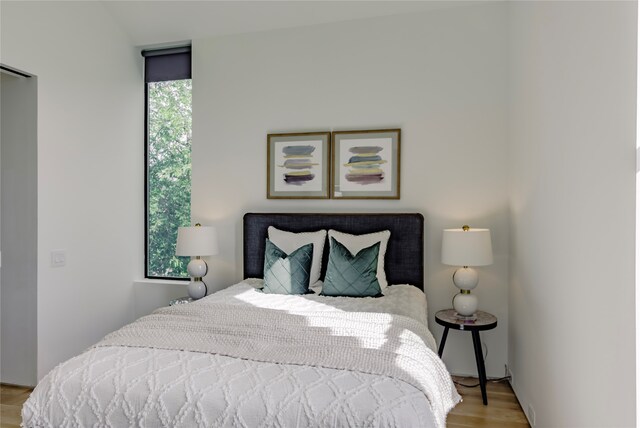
532, 415
58, 258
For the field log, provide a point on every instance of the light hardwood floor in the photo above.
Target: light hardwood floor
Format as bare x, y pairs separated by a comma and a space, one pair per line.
503, 409
11, 399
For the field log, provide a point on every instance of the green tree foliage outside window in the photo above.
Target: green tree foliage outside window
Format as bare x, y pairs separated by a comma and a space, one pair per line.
169, 175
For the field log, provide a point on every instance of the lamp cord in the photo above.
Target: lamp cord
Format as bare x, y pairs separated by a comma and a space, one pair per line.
206, 267
493, 380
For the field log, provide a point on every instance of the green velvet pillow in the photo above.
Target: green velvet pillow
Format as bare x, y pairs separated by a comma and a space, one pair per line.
349, 275
287, 274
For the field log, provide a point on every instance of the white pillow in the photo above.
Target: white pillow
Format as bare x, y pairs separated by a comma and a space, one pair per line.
355, 243
290, 241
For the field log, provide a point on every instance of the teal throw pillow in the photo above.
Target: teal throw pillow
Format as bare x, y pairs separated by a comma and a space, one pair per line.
287, 274
352, 275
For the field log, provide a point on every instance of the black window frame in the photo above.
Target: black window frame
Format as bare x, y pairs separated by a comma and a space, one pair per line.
163, 64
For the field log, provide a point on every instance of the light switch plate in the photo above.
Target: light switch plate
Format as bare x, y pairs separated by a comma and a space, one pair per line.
58, 258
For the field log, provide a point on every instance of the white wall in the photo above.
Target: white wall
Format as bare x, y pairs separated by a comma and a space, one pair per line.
438, 76
151, 294
18, 202
90, 157
572, 218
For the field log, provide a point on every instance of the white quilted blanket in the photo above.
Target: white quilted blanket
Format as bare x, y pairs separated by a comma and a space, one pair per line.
214, 363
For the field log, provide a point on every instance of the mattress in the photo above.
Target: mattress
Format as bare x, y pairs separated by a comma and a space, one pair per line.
119, 386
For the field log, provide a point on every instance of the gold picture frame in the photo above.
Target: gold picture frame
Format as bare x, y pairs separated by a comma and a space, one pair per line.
298, 165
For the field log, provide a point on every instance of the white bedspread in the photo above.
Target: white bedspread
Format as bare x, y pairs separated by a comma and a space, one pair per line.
214, 363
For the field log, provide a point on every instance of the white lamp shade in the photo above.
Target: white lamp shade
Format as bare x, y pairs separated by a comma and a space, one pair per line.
466, 248
197, 241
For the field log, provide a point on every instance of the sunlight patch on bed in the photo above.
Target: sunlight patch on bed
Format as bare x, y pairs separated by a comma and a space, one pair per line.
261, 300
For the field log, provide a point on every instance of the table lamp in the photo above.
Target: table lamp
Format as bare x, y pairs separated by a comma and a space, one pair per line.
466, 247
197, 241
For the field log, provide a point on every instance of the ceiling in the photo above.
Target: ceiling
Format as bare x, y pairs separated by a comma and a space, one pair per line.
153, 22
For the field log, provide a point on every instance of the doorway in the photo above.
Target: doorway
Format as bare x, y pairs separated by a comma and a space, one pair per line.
18, 227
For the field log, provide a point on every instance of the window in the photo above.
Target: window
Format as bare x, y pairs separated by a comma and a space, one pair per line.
168, 159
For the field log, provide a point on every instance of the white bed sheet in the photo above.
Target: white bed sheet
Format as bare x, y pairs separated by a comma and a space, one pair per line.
146, 387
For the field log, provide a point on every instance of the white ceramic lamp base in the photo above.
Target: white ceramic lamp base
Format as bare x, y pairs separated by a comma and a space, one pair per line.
465, 278
197, 290
465, 304
197, 268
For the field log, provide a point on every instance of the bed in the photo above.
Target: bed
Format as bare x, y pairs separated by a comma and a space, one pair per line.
243, 358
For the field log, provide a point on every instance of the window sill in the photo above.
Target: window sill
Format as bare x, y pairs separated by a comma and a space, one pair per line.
159, 281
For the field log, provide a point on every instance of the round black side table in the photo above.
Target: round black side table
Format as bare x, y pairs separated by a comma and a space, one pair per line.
484, 321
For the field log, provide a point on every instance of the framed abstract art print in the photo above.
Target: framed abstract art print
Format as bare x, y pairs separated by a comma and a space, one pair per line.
366, 164
298, 165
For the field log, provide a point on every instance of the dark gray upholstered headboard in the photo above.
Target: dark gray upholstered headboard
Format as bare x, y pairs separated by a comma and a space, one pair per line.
404, 262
